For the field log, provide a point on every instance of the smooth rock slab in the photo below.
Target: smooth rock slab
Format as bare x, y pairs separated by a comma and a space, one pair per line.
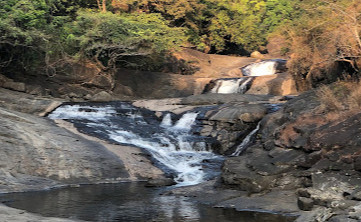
8, 214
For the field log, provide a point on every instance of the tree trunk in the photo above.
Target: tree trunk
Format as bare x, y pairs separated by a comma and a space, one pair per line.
99, 6
104, 6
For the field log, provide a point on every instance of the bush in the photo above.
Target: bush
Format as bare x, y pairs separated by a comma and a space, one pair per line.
110, 39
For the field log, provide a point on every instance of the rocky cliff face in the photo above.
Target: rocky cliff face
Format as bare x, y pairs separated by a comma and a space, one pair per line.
36, 148
301, 149
86, 82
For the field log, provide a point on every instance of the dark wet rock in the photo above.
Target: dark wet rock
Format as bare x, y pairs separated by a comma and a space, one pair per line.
276, 201
303, 193
357, 163
160, 182
305, 203
207, 192
266, 171
341, 218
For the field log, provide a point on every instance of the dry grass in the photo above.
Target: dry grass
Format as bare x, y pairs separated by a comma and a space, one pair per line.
341, 97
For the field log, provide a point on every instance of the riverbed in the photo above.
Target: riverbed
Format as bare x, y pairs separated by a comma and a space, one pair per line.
127, 202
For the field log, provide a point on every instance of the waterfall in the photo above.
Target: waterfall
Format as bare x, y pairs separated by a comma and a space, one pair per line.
267, 67
243, 146
81, 112
229, 85
186, 122
244, 86
167, 120
173, 146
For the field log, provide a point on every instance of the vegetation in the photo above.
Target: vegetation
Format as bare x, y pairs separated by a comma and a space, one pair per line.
42, 35
340, 98
325, 41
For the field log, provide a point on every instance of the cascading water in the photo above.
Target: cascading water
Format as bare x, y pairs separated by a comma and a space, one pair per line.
243, 146
229, 85
173, 145
248, 139
267, 67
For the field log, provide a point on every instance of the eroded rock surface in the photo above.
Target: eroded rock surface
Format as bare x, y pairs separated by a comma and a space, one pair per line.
303, 150
36, 147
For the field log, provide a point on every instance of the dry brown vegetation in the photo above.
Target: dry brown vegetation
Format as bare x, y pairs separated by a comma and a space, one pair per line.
341, 98
325, 41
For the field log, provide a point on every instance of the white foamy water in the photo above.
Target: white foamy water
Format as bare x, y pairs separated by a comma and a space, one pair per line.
170, 144
82, 112
186, 122
234, 85
268, 67
243, 146
167, 121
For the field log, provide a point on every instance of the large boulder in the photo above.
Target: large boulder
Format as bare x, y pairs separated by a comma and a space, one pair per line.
279, 84
102, 97
36, 154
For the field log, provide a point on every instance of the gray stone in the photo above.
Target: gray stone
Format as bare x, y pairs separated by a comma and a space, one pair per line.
87, 97
341, 218
74, 95
102, 97
160, 182
209, 99
305, 204
303, 193
356, 195
123, 90
26, 103
318, 214
36, 154
357, 163
14, 215
17, 86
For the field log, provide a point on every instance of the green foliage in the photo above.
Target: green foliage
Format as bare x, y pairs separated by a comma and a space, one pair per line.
109, 38
218, 23
50, 30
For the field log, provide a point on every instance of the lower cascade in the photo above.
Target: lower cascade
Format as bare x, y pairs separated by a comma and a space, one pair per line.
174, 147
229, 85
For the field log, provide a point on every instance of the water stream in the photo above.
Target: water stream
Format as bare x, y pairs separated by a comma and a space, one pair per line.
172, 140
127, 202
267, 67
175, 146
231, 85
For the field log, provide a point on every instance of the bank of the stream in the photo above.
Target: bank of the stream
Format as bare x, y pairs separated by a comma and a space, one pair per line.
291, 165
126, 202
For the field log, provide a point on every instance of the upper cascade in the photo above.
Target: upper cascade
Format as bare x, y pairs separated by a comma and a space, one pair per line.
267, 67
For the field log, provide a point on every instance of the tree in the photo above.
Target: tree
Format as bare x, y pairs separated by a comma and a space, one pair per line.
110, 39
102, 5
325, 36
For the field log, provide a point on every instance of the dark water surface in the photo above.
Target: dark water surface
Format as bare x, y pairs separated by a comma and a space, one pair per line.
126, 202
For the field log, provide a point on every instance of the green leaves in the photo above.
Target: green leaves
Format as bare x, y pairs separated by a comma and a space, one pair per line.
109, 37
